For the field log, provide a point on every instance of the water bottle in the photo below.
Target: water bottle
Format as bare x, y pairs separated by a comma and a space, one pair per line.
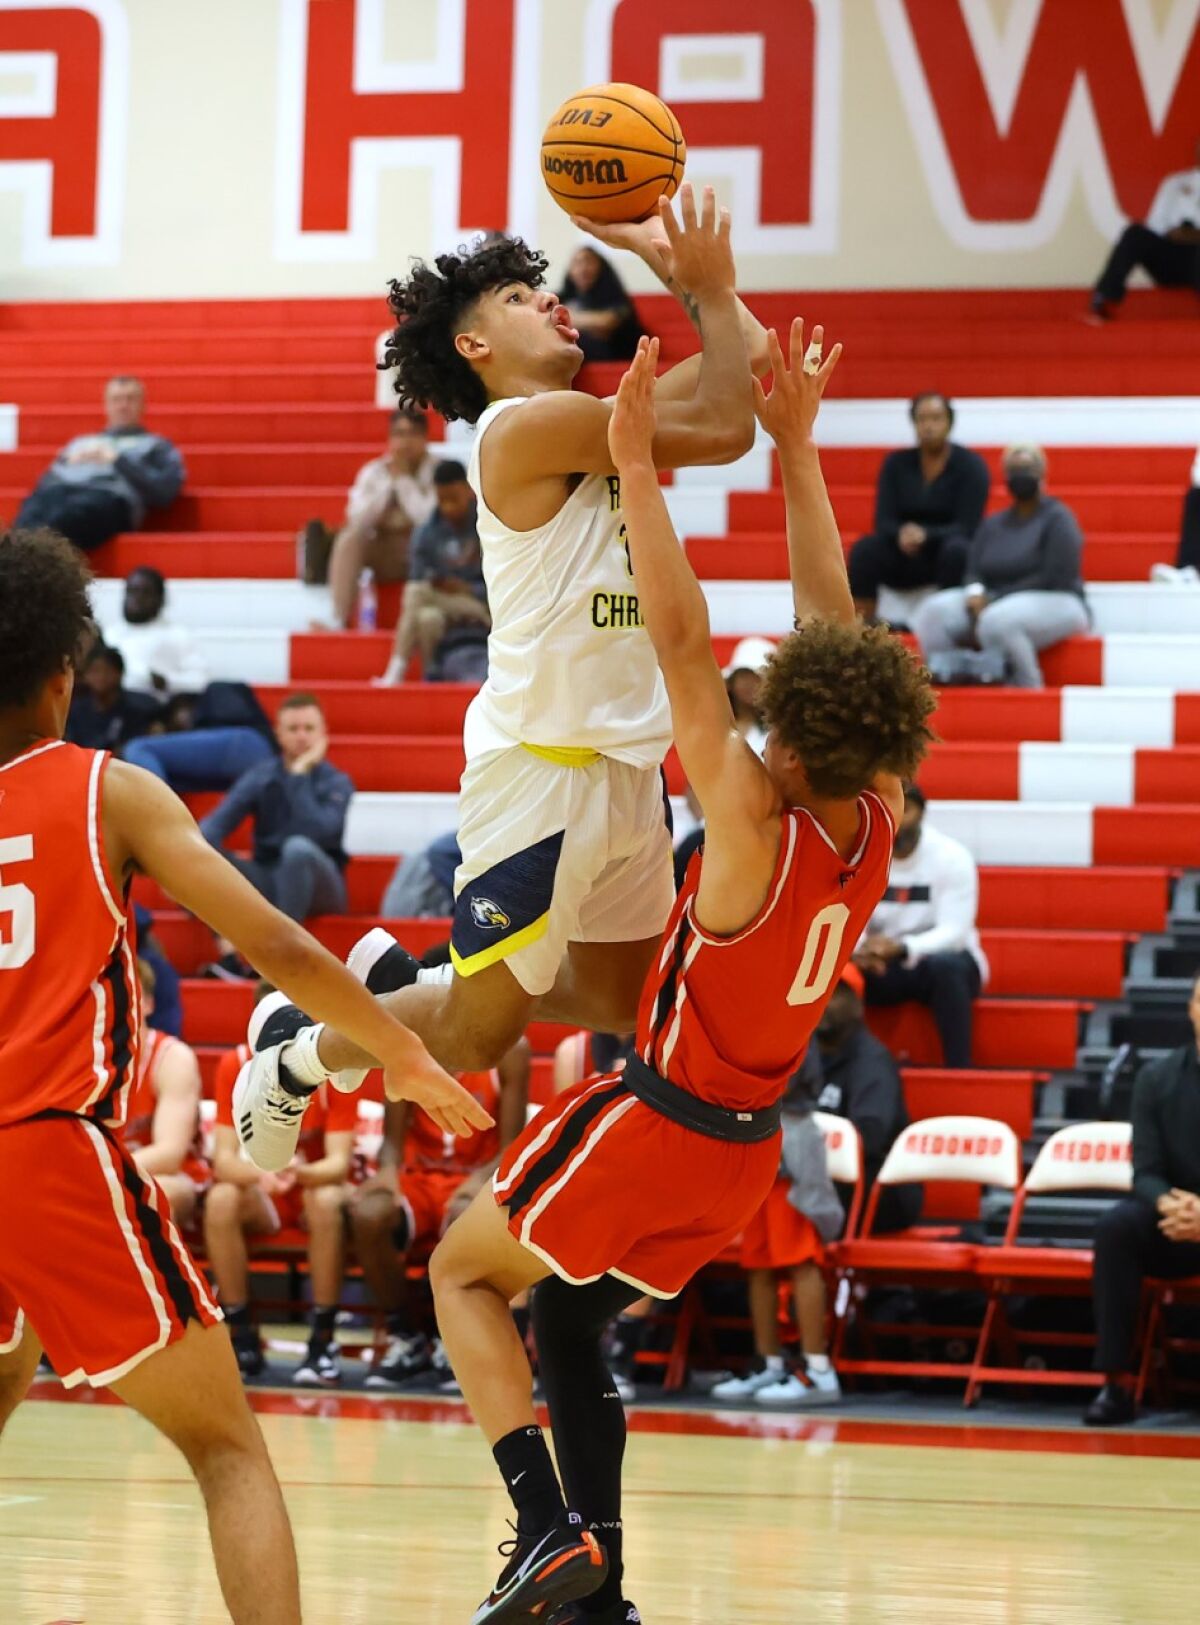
368, 602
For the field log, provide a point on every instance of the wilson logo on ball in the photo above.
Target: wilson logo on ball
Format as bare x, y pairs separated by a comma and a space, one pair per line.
583, 171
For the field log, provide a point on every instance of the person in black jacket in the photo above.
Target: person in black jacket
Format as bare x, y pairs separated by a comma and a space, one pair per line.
601, 310
1156, 1231
860, 1080
928, 502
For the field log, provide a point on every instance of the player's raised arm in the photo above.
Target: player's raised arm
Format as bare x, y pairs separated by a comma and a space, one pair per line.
730, 782
816, 563
149, 829
560, 432
649, 241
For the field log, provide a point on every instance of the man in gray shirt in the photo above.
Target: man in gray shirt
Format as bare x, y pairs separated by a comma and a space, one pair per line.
446, 586
101, 484
1024, 583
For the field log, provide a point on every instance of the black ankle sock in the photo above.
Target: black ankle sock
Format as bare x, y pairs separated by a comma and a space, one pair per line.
397, 1325
530, 1479
237, 1317
322, 1324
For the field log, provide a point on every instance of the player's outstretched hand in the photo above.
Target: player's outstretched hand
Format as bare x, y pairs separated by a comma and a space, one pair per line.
790, 410
701, 250
631, 426
422, 1080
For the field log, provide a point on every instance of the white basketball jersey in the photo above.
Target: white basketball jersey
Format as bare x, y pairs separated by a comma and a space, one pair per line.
570, 663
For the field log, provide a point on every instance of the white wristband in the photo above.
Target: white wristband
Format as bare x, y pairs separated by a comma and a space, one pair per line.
301, 1058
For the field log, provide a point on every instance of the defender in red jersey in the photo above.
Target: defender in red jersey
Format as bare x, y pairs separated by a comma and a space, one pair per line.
91, 1266
629, 1183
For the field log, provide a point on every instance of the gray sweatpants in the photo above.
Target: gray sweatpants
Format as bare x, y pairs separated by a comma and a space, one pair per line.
1018, 626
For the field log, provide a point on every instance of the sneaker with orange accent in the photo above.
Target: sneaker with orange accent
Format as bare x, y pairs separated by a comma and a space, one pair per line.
562, 1564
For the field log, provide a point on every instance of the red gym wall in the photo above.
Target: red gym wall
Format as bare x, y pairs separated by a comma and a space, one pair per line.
309, 146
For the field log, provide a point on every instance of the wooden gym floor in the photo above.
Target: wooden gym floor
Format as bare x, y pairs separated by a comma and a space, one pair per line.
731, 1520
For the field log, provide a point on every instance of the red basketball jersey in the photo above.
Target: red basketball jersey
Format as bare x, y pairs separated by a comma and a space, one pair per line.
429, 1148
138, 1132
70, 998
729, 1018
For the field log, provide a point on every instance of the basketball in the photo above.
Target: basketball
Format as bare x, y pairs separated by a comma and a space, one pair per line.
611, 152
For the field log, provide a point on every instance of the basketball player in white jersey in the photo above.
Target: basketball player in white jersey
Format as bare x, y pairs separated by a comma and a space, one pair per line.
565, 882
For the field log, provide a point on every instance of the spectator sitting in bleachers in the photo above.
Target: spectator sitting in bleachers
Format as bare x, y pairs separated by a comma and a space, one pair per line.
602, 312
787, 1236
860, 1080
390, 497
445, 577
928, 502
1024, 583
1156, 1231
244, 1203
422, 886
166, 1016
104, 714
299, 803
425, 1180
102, 483
160, 657
922, 943
209, 739
1186, 569
162, 1117
1167, 245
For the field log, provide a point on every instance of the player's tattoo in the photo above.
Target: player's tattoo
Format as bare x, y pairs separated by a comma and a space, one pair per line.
689, 303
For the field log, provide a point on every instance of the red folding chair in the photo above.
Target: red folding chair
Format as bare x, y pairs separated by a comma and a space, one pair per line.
1085, 1156
967, 1150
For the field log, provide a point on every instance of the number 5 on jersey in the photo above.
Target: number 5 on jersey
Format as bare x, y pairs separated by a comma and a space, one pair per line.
820, 957
17, 927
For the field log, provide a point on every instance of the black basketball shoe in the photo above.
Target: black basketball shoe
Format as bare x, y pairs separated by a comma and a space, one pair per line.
378, 960
559, 1565
621, 1613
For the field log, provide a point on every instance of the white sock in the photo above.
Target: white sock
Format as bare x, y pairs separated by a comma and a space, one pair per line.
818, 1363
435, 975
301, 1058
774, 1362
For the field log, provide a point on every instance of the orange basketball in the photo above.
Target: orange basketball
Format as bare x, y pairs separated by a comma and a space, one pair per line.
611, 152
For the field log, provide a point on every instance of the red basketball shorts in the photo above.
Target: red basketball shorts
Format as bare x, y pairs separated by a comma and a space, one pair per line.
425, 1195
89, 1258
601, 1184
778, 1237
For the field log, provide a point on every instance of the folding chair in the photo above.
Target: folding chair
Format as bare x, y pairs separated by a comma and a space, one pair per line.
844, 1154
967, 1150
1085, 1156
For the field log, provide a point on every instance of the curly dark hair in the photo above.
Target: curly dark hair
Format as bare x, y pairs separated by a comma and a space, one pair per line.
427, 307
45, 617
851, 702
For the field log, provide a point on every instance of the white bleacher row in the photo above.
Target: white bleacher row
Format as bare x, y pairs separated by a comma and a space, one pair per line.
1151, 634
1038, 834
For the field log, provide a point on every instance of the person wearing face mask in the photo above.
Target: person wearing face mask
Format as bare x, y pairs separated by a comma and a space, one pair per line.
1024, 584
922, 944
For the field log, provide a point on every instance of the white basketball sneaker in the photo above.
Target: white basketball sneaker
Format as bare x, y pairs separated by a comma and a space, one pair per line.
801, 1389
268, 1106
747, 1387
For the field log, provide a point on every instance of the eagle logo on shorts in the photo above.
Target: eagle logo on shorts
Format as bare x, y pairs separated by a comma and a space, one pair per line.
488, 916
